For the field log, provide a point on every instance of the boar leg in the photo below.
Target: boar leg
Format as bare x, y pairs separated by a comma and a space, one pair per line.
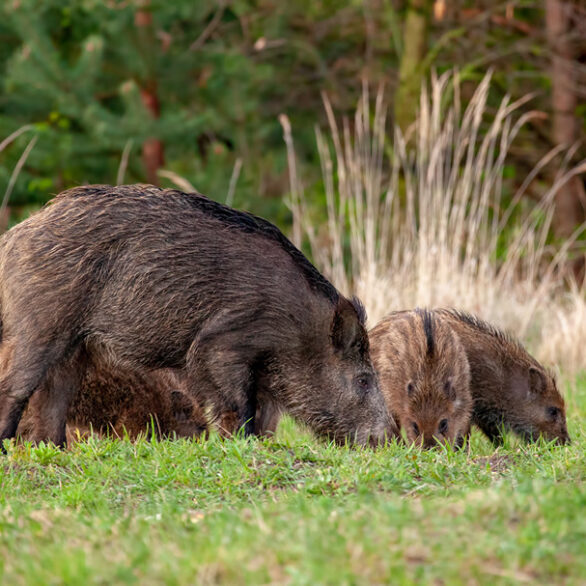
489, 420
491, 430
51, 404
25, 369
267, 419
225, 381
18, 383
225, 367
234, 385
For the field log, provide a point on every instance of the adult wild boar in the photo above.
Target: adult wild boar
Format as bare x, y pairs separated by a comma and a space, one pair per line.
154, 278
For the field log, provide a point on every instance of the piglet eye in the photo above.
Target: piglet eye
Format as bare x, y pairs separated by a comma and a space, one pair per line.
415, 427
443, 426
553, 412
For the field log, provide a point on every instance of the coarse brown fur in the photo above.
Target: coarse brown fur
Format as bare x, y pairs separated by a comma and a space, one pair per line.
424, 376
121, 403
511, 390
146, 279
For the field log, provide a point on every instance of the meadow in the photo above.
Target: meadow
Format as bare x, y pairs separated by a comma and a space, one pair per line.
295, 510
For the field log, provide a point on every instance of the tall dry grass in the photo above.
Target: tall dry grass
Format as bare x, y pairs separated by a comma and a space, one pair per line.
420, 220
16, 171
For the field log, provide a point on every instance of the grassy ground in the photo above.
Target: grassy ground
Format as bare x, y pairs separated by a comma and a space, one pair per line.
294, 510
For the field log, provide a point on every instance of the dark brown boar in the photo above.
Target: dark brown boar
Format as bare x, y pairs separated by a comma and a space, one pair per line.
511, 390
152, 279
424, 376
122, 402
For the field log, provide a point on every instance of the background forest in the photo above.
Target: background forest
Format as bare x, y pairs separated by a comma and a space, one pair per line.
196, 88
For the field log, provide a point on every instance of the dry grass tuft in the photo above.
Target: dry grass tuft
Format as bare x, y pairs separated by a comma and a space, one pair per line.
423, 222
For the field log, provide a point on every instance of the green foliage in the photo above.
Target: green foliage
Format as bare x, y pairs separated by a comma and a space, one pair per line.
74, 70
294, 510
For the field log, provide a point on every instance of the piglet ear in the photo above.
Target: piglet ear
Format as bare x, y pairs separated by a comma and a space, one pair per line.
181, 405
449, 390
537, 382
346, 329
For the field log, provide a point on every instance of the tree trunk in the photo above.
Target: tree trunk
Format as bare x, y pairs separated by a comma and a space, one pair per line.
416, 29
152, 148
570, 199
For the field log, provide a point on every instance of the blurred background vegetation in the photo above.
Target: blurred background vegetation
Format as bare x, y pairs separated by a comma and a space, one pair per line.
130, 90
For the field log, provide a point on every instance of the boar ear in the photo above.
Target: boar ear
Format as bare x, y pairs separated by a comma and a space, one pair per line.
537, 382
360, 309
449, 390
346, 326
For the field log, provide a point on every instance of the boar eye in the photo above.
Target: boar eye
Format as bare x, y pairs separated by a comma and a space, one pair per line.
364, 382
415, 427
553, 412
443, 426
410, 388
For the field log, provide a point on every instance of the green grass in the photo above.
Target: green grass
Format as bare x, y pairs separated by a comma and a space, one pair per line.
294, 510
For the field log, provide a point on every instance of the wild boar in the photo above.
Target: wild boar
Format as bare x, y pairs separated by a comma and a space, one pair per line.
122, 402
424, 376
511, 390
148, 279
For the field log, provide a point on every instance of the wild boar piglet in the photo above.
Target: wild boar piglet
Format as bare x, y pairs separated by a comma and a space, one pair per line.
424, 376
511, 390
119, 402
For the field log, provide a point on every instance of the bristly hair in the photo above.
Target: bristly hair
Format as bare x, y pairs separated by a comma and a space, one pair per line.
482, 326
360, 309
428, 327
247, 222
244, 221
